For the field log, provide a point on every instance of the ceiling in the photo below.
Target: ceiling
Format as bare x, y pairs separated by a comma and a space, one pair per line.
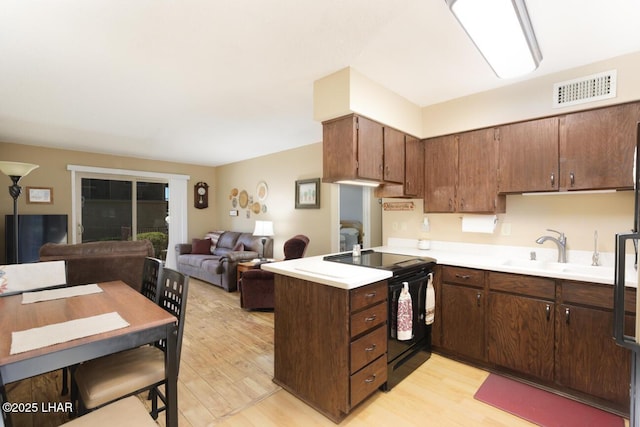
212, 82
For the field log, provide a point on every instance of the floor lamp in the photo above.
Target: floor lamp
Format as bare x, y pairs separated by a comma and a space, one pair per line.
263, 229
15, 171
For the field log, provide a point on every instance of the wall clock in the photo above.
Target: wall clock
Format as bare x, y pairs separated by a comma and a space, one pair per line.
201, 195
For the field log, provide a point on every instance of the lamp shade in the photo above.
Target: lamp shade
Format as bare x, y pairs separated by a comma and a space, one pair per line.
502, 32
16, 168
263, 228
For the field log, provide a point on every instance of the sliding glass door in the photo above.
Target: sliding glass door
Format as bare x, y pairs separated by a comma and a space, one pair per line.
124, 209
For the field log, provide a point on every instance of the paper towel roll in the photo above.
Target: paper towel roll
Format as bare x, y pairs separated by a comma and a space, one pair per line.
479, 223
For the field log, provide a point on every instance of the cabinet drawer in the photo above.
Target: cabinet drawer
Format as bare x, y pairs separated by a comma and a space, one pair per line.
365, 296
367, 380
368, 318
596, 295
523, 285
463, 276
368, 348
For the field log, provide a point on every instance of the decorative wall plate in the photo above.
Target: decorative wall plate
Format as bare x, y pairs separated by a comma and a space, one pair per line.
243, 199
255, 208
262, 191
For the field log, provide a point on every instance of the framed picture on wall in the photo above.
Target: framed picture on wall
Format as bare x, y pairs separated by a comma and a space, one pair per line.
40, 195
308, 194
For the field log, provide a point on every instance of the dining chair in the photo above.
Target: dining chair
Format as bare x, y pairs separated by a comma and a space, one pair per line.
151, 278
100, 381
124, 412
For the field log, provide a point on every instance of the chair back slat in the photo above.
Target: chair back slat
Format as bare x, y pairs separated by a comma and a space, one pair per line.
151, 278
173, 298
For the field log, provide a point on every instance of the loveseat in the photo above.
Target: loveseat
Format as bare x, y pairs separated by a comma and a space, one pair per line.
215, 258
95, 262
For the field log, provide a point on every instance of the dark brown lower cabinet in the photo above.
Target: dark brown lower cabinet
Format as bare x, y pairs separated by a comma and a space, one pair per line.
463, 316
588, 360
521, 333
553, 332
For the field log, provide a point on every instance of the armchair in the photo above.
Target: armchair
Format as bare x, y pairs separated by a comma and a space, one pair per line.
256, 285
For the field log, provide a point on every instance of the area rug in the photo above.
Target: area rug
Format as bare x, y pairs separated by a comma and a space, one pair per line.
542, 407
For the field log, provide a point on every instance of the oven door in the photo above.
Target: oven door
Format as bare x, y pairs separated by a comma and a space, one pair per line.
417, 289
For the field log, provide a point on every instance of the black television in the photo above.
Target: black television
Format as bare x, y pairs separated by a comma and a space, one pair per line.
33, 232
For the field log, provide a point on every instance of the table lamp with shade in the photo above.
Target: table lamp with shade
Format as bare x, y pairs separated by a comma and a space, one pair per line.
263, 229
15, 171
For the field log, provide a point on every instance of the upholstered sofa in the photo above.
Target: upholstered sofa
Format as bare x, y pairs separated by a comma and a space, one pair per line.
215, 258
95, 262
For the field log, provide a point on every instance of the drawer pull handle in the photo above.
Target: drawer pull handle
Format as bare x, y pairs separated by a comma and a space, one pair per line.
463, 276
371, 379
370, 295
370, 318
478, 297
567, 315
373, 347
548, 310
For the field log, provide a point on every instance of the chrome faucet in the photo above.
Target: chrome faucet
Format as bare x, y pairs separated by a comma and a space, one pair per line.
561, 242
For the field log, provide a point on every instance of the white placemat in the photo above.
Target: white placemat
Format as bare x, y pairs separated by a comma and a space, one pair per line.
56, 333
49, 294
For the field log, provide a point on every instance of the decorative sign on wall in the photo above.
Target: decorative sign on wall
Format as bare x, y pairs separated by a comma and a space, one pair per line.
243, 200
398, 206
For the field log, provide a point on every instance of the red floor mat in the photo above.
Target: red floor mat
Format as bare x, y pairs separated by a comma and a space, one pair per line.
542, 407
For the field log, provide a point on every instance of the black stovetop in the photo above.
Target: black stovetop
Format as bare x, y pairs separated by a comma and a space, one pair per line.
382, 260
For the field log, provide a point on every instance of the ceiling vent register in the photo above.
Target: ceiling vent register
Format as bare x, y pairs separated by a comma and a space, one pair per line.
585, 89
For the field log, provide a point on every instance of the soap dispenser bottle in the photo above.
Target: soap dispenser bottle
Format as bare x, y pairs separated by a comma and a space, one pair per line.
405, 314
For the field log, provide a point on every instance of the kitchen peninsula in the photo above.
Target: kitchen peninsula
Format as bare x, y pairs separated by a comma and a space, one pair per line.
330, 332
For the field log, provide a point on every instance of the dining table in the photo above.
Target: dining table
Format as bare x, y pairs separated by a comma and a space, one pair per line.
141, 322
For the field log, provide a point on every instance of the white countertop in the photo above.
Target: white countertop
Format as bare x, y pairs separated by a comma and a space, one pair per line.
506, 259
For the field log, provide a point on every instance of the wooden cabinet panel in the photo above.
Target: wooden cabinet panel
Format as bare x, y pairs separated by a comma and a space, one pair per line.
393, 155
521, 334
588, 359
370, 149
414, 167
463, 276
339, 149
538, 287
368, 348
463, 321
597, 148
368, 318
528, 156
440, 174
365, 296
367, 380
477, 172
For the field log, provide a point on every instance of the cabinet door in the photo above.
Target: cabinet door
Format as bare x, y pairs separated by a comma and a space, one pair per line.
477, 172
588, 359
440, 173
528, 156
597, 148
463, 321
521, 334
413, 167
370, 149
393, 155
339, 149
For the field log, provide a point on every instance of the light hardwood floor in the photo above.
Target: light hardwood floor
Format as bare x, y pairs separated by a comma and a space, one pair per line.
227, 367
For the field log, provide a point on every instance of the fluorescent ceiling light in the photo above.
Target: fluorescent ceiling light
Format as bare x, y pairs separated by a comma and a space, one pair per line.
502, 32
